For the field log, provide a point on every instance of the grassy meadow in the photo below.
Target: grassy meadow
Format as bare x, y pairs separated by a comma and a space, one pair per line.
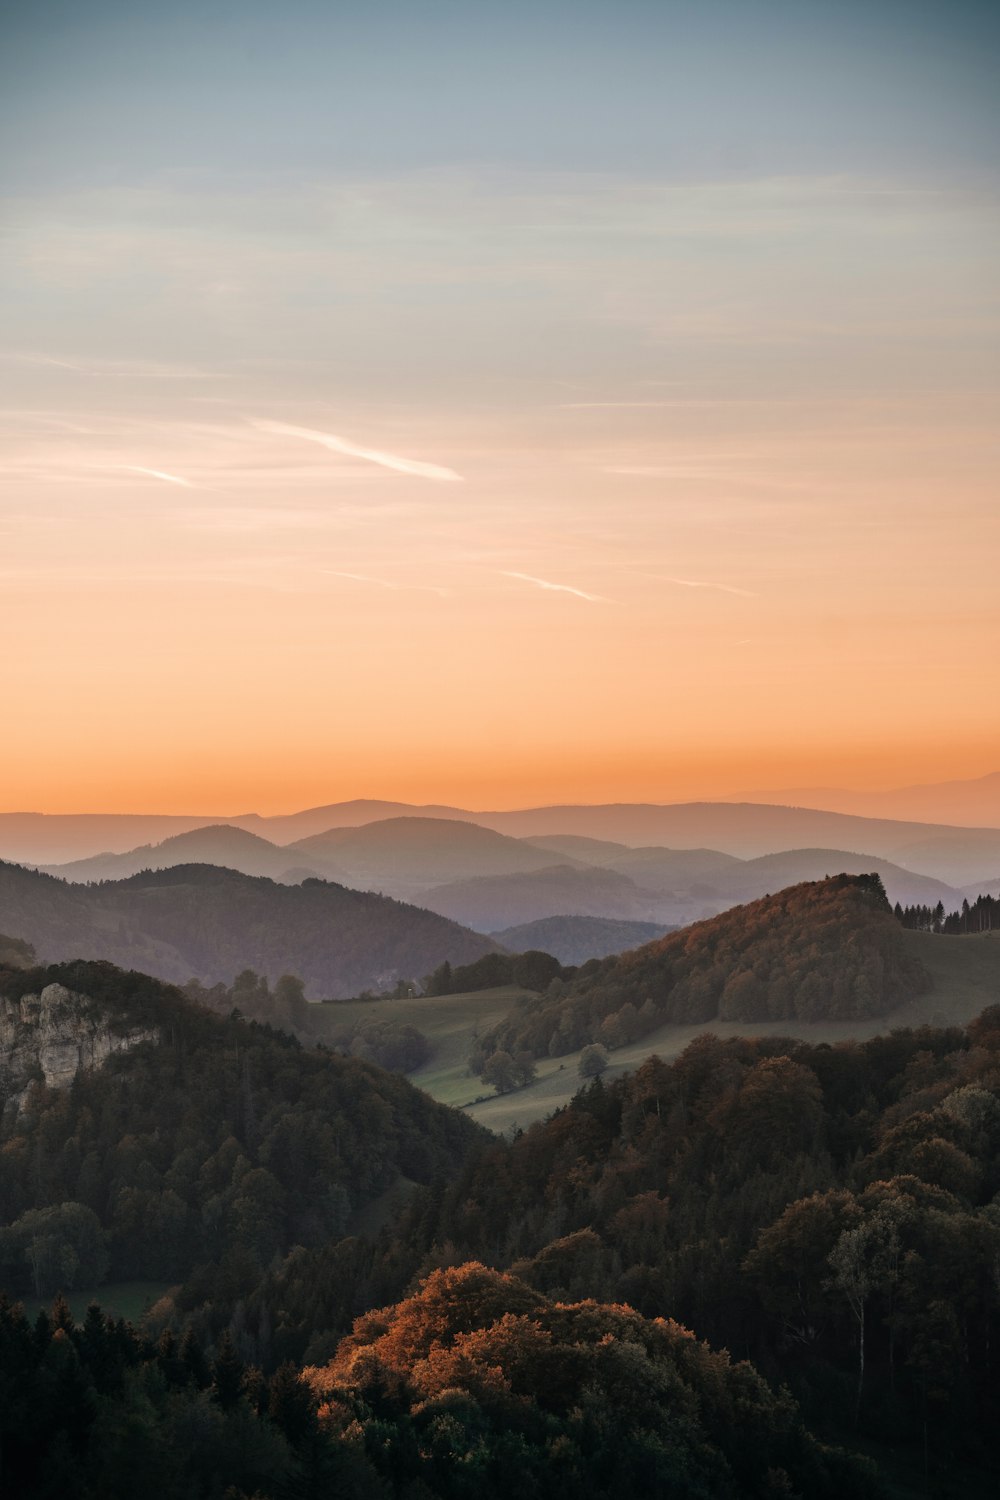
965, 974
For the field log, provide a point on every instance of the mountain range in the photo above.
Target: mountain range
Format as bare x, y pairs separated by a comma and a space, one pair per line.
488, 880
958, 854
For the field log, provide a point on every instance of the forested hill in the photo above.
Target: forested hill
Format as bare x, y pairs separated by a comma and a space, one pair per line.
825, 950
200, 921
217, 1147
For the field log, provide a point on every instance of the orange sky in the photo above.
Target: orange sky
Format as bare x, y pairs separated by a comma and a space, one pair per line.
498, 483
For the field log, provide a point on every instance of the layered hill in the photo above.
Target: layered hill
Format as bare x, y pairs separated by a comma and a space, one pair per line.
198, 921
955, 853
826, 950
494, 901
405, 856
217, 844
573, 940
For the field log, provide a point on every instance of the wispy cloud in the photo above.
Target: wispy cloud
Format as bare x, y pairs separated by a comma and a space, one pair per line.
699, 583
556, 588
117, 369
157, 474
382, 583
385, 583
354, 450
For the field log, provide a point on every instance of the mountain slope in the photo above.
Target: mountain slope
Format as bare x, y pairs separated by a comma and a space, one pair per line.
755, 877
824, 950
494, 901
200, 921
572, 940
212, 1143
404, 856
216, 844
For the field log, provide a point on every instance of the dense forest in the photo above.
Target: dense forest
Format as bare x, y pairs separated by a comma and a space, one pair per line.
475, 1386
201, 1157
825, 950
209, 923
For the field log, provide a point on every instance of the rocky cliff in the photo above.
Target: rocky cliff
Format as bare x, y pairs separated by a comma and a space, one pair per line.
47, 1038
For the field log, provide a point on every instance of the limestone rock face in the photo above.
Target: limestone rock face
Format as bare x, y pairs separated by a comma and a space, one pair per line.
48, 1038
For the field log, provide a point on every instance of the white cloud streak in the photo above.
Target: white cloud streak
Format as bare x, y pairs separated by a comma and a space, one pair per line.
157, 474
354, 450
382, 583
556, 588
697, 583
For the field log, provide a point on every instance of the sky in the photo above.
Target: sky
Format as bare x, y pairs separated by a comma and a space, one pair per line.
496, 404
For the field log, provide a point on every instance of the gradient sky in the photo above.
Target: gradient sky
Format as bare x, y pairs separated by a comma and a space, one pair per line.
496, 404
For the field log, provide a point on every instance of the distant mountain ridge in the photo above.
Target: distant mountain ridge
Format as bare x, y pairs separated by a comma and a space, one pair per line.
971, 803
742, 829
199, 921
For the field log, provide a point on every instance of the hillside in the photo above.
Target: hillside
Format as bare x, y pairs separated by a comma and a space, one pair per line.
217, 844
404, 856
216, 1146
753, 878
826, 950
207, 923
573, 940
494, 901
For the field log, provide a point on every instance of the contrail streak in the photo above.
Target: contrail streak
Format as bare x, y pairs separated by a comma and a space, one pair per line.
354, 450
557, 588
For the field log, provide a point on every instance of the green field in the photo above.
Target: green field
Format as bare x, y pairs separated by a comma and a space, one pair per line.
121, 1299
450, 1023
966, 978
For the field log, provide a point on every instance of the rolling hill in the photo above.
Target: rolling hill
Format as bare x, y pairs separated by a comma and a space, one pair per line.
208, 923
494, 901
824, 950
216, 844
574, 939
747, 830
404, 856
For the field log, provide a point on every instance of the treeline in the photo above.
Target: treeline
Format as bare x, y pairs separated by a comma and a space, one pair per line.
99, 1411
981, 915
532, 970
826, 950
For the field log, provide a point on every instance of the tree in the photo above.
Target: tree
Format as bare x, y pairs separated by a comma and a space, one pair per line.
501, 1071
593, 1061
862, 1260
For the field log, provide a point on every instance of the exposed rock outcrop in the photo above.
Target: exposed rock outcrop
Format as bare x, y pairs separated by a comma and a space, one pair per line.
48, 1038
